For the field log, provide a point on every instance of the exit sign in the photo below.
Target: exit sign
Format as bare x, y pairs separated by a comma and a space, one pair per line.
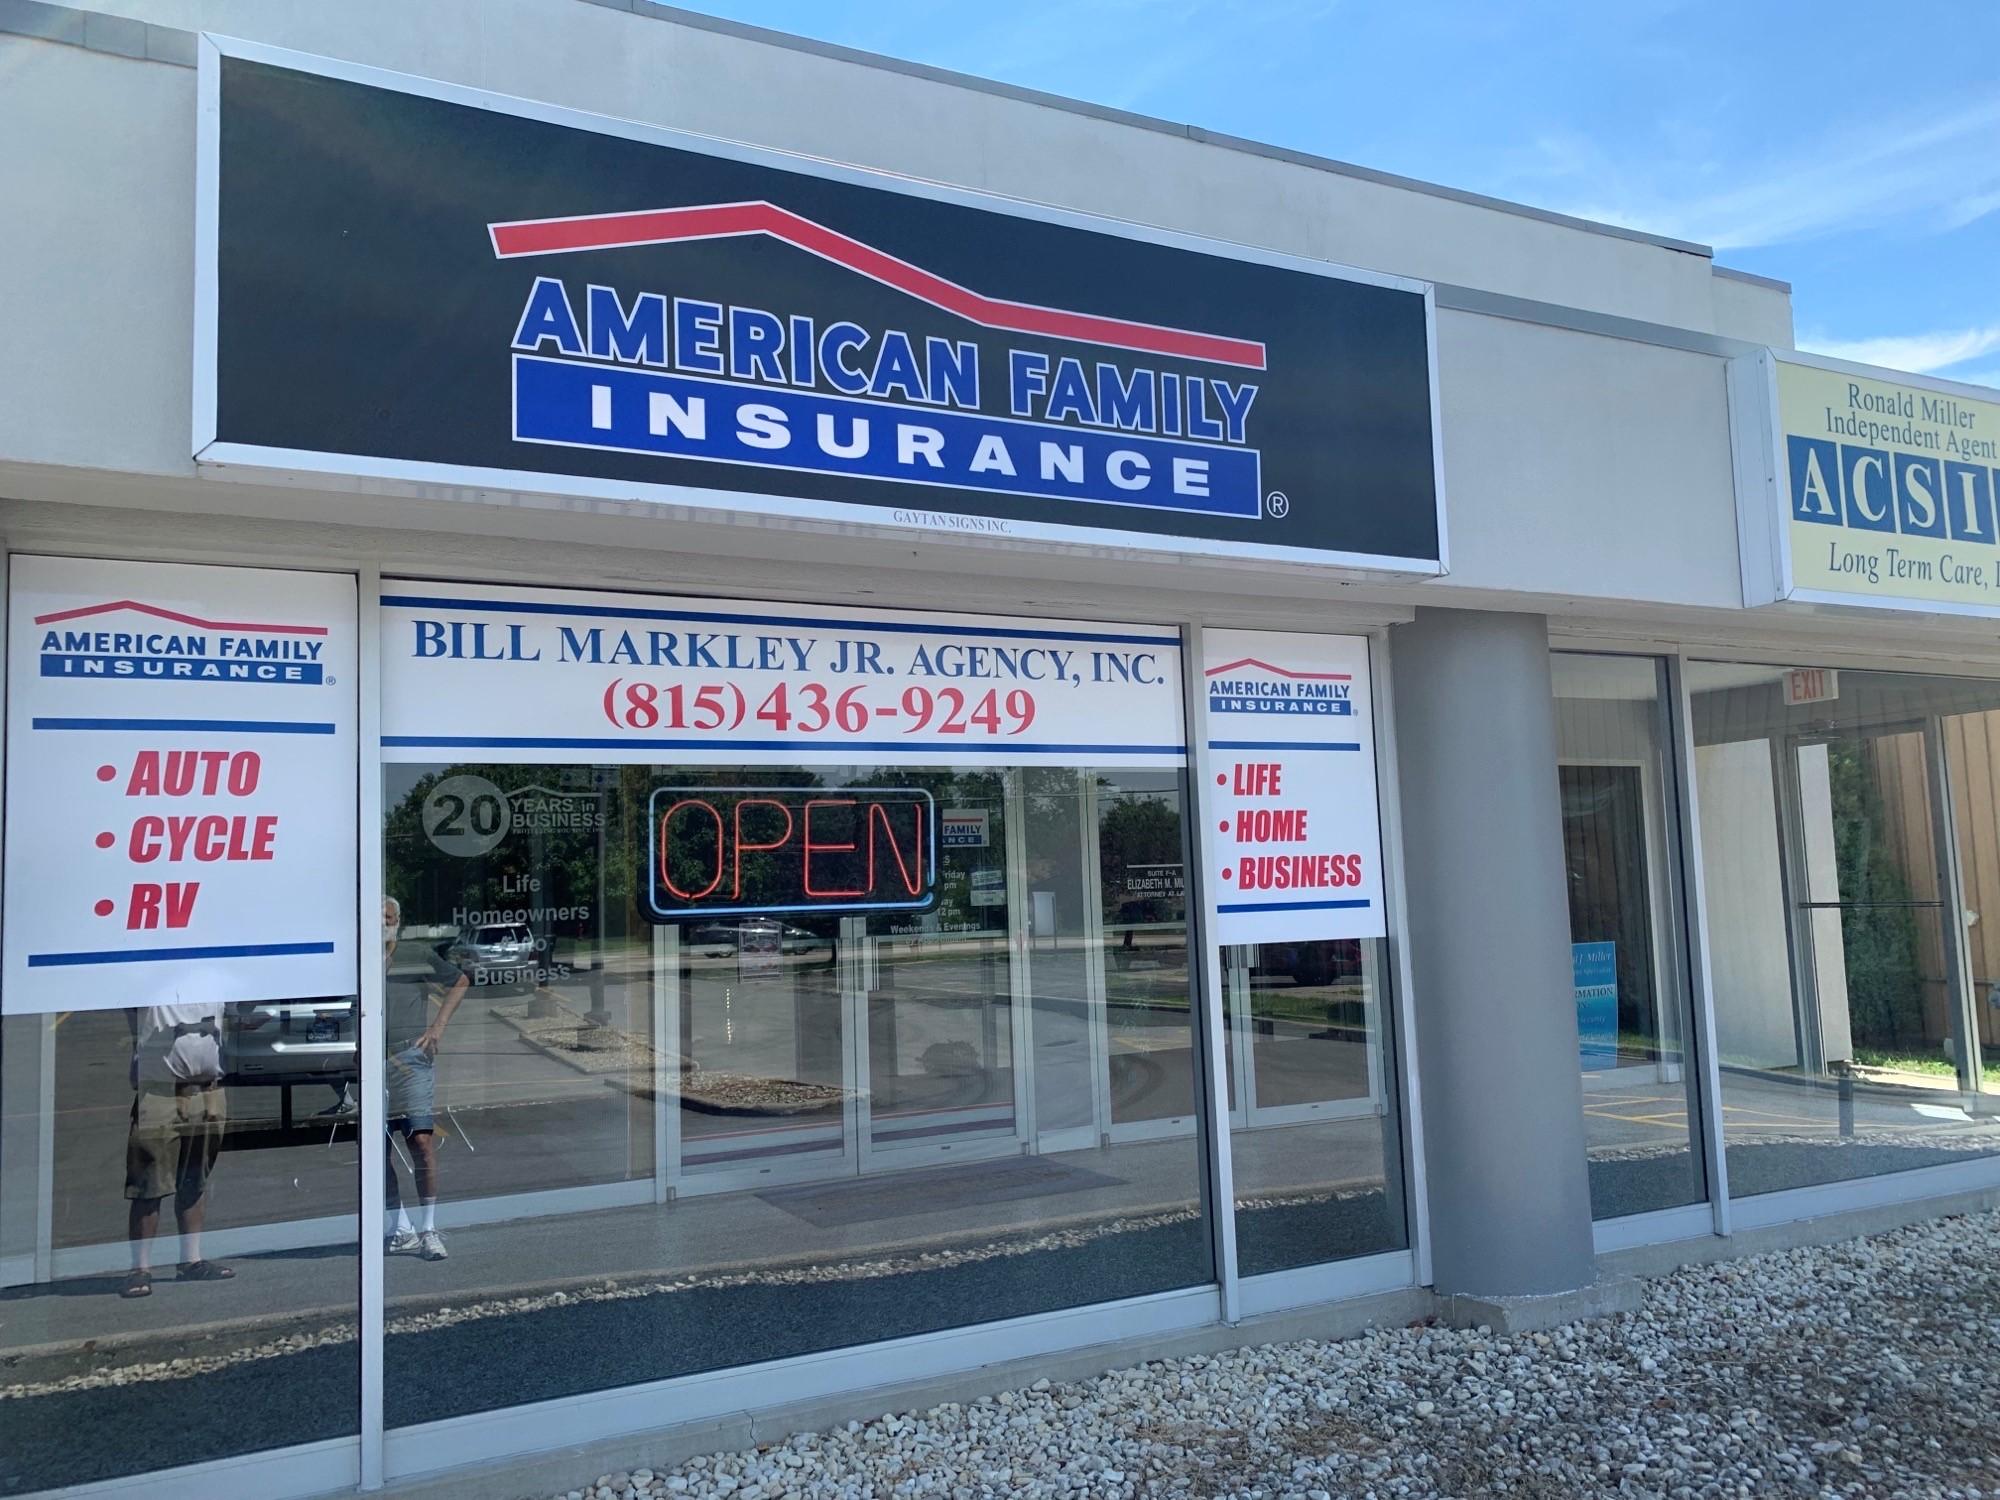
1811, 685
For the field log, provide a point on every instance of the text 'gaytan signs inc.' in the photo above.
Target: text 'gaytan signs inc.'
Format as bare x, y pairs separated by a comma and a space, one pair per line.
556, 676
180, 785
1290, 729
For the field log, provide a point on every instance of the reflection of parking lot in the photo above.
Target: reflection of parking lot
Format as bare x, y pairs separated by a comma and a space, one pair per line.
1645, 1111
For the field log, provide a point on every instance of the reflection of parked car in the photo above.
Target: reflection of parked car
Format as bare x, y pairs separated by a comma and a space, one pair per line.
1332, 961
505, 945
291, 1041
729, 939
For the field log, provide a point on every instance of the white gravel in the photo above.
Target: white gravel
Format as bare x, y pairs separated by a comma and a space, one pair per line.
1865, 1369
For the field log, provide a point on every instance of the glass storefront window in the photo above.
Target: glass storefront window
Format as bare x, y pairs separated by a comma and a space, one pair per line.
1315, 1139
629, 1149
1632, 1000
180, 1069
1849, 841
178, 1187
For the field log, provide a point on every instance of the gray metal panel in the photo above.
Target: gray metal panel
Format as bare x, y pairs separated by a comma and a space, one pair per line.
48, 23
1507, 1184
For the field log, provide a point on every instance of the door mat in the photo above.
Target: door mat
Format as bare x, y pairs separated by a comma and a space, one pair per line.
836, 1205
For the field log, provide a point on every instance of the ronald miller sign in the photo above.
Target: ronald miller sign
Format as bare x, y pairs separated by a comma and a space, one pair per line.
1865, 487
494, 294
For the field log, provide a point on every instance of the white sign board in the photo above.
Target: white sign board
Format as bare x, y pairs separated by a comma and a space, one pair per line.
180, 785
1291, 743
549, 676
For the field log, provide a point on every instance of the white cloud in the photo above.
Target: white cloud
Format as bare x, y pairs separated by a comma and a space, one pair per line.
1944, 171
1923, 353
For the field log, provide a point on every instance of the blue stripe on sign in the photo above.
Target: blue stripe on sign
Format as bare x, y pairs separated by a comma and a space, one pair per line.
511, 742
201, 726
788, 622
169, 955
1282, 745
613, 408
1294, 905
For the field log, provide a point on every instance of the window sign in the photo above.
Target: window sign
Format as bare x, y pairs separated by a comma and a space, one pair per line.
964, 828
506, 296
1290, 729
1596, 985
547, 675
180, 785
769, 849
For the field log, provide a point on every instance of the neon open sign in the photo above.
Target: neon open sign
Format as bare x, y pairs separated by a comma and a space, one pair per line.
756, 850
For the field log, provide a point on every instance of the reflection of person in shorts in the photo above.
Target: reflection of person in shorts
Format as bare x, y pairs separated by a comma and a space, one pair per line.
410, 1046
176, 1134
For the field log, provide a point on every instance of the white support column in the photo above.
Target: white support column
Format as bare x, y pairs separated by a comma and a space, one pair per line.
1701, 983
374, 1122
666, 1060
1205, 968
1389, 796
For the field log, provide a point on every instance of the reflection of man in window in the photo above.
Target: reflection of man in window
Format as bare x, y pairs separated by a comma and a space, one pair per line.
409, 1051
176, 1134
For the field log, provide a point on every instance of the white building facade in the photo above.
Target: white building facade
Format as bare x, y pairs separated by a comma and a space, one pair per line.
982, 734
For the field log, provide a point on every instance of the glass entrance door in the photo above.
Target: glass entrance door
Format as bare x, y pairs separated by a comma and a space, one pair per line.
762, 1009
936, 1009
810, 1047
1879, 973
1037, 1005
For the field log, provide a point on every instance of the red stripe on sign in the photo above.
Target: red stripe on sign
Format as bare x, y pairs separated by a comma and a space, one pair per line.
179, 619
1251, 661
720, 220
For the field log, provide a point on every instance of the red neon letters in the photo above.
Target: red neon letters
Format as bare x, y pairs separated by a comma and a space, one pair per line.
791, 848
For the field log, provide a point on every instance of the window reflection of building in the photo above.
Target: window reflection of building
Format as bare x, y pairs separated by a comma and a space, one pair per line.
1842, 843
1620, 840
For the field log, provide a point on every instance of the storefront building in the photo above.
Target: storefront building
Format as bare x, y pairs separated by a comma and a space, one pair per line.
885, 728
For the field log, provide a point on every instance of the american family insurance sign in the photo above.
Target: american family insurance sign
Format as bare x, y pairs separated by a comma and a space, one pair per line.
412, 281
180, 785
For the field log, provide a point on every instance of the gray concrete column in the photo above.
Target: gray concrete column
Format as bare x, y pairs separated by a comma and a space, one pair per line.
1496, 1039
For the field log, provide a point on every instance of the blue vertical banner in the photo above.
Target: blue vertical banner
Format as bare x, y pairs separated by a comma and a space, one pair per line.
1595, 970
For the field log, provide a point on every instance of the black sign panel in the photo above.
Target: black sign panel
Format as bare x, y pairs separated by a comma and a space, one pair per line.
429, 285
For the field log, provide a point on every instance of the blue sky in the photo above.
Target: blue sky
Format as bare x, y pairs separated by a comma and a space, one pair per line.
1850, 148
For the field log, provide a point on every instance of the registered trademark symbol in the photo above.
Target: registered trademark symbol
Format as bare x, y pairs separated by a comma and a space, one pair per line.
1277, 504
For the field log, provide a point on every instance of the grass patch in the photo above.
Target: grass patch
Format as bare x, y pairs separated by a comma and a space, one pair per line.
1932, 1064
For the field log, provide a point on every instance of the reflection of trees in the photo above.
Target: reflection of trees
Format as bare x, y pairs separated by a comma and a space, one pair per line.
1139, 823
1884, 975
972, 789
1137, 827
431, 884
